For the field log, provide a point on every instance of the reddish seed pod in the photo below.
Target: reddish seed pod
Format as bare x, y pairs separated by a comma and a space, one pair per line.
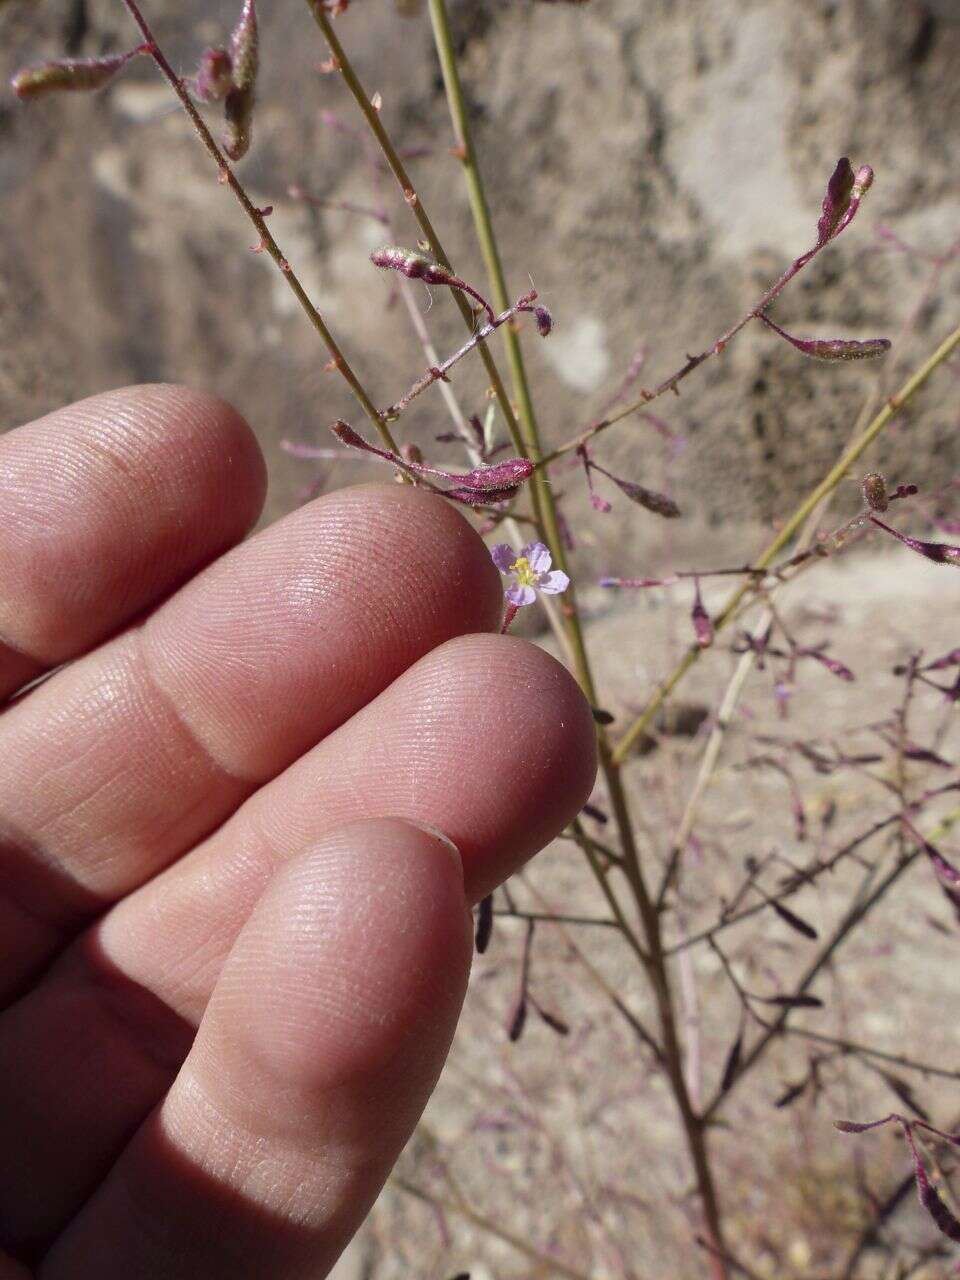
544, 321
244, 49
499, 475
69, 75
874, 490
415, 266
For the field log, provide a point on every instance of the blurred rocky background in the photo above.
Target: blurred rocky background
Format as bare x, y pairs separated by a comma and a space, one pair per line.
652, 165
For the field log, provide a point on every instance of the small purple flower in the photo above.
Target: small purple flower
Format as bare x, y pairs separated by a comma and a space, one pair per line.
531, 572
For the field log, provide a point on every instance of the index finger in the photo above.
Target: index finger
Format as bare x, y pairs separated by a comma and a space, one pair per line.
108, 505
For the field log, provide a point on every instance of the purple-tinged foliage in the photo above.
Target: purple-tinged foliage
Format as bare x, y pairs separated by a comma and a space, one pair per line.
544, 321
493, 482
927, 1193
842, 199
71, 75
658, 503
938, 552
836, 200
831, 348
834, 666
951, 659
948, 877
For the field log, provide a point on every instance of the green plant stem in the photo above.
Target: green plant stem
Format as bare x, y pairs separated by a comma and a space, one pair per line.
267, 241
651, 954
399, 171
541, 494
826, 486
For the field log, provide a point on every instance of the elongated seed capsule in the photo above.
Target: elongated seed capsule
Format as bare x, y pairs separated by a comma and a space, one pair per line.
69, 75
238, 108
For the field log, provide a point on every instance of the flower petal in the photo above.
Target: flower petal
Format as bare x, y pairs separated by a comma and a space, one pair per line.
519, 595
552, 584
503, 556
538, 555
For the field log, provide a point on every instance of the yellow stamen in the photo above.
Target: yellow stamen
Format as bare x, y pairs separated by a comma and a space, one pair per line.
526, 576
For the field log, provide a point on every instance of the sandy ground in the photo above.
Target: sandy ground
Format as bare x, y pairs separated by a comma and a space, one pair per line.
656, 164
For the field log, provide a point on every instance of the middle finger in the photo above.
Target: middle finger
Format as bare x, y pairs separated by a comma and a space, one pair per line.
120, 763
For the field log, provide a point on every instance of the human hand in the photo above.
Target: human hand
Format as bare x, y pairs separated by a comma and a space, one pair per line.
233, 947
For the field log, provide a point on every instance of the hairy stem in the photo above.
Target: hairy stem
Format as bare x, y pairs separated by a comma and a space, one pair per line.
545, 509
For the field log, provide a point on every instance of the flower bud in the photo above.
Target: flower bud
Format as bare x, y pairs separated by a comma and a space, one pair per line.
874, 490
702, 626
214, 78
544, 321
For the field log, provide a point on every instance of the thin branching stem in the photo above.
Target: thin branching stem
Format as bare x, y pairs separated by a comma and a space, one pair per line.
267, 241
854, 1049
544, 1261
859, 909
789, 530
541, 493
410, 195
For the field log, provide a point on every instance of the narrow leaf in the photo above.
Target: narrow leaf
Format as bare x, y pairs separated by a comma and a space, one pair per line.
794, 921
484, 923
519, 1020
732, 1064
939, 552
793, 1002
790, 1096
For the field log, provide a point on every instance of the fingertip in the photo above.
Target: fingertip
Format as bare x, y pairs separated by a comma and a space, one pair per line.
112, 502
354, 962
460, 563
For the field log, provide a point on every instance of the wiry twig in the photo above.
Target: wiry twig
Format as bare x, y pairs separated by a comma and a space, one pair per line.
267, 241
789, 530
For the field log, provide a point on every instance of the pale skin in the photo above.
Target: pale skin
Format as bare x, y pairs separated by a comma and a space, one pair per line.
242, 825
